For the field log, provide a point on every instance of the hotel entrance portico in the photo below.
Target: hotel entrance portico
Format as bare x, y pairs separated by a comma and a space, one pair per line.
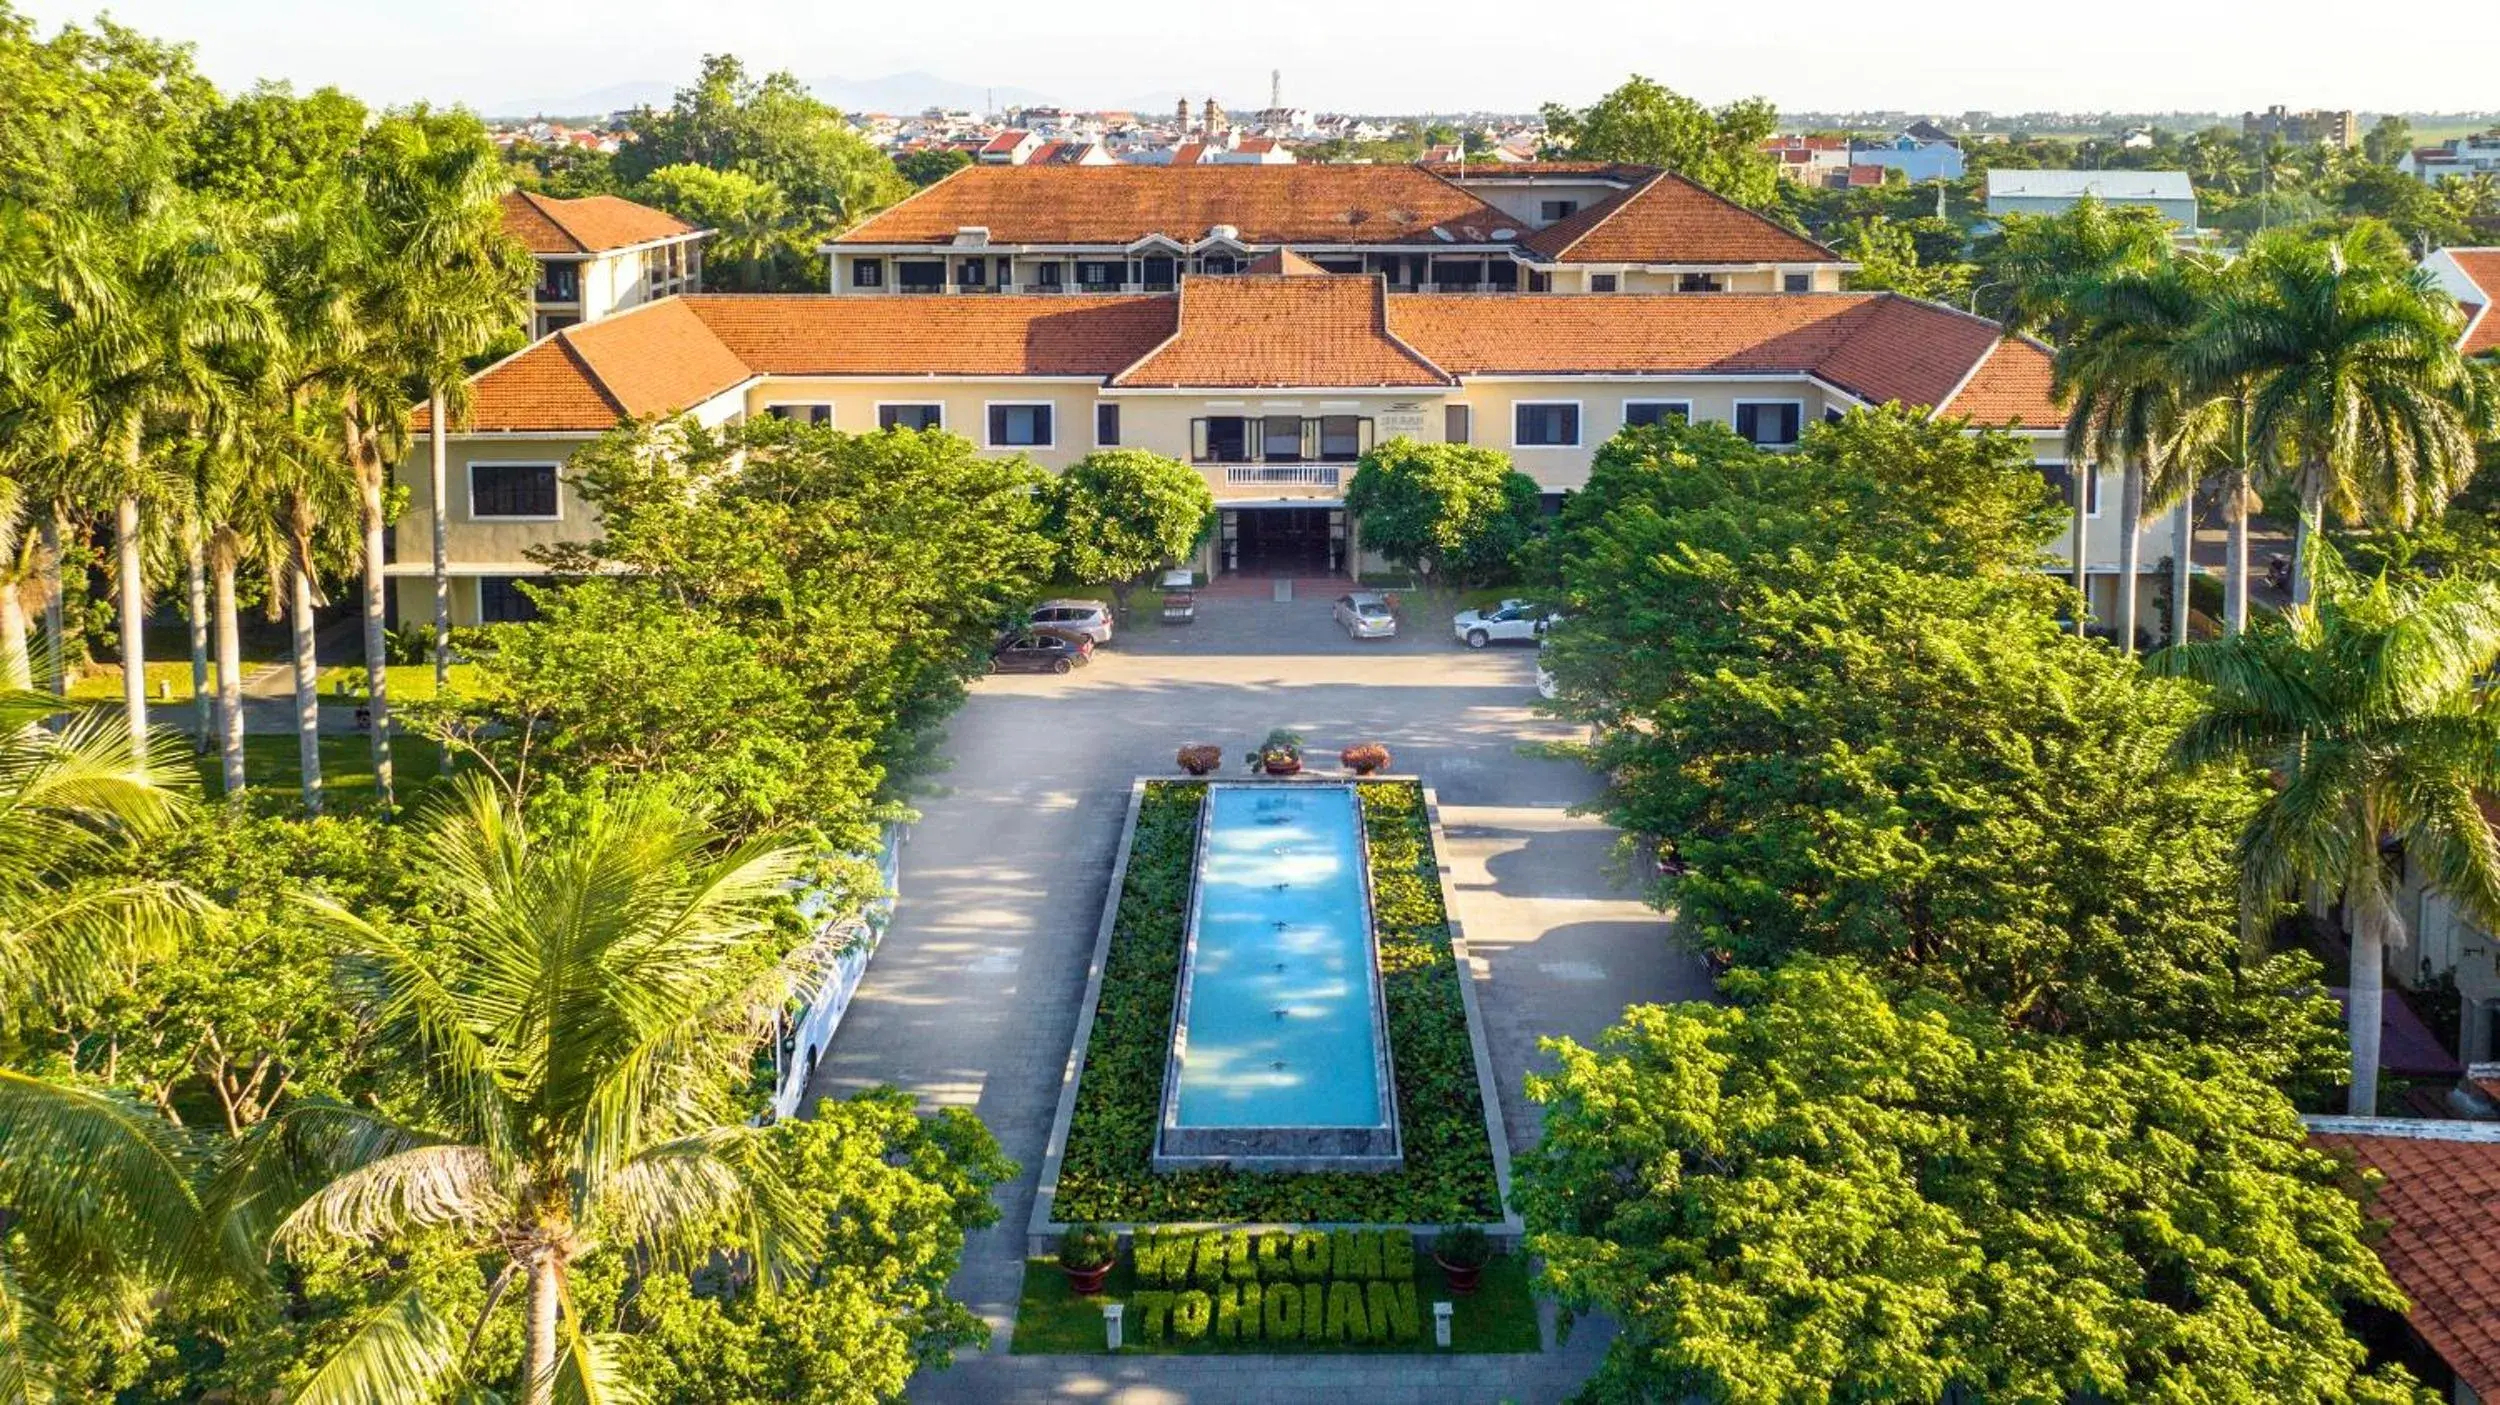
1301, 538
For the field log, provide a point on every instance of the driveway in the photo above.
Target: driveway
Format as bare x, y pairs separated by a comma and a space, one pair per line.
972, 1000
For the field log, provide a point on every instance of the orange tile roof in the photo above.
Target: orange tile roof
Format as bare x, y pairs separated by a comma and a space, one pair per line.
1119, 205
1285, 262
2482, 325
1668, 219
1314, 330
590, 225
2441, 1202
2012, 388
993, 335
1282, 331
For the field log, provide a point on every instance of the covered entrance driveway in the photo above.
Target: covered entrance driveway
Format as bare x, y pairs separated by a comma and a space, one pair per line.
1270, 539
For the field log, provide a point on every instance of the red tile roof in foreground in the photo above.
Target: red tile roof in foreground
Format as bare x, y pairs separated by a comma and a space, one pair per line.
591, 225
2441, 1203
1308, 330
1120, 205
1282, 331
1668, 219
2482, 324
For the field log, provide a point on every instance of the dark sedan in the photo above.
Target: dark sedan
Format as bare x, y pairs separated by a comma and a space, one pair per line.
1040, 653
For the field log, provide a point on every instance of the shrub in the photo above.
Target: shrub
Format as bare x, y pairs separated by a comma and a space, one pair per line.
1363, 758
1191, 1312
1281, 746
1200, 758
1462, 1246
1087, 1246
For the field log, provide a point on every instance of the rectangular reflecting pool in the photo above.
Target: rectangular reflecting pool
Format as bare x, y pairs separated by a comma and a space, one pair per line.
1280, 1055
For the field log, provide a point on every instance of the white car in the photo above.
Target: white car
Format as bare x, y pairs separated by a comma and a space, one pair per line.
1365, 615
1517, 621
1090, 618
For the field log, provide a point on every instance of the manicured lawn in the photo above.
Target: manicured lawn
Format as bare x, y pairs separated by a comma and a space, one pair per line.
270, 763
343, 685
1500, 1316
103, 682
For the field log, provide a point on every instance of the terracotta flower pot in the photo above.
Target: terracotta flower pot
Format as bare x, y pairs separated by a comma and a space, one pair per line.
1463, 1277
1283, 766
1086, 1282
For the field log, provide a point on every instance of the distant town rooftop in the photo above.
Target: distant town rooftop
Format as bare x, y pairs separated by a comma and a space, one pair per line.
2101, 185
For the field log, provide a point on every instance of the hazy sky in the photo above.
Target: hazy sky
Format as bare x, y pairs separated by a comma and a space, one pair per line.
1385, 55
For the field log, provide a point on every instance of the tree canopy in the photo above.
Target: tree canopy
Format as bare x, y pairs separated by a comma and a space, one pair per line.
1117, 514
1643, 121
1459, 512
1829, 1194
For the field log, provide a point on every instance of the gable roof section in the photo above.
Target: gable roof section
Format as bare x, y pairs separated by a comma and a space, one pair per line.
2441, 1202
1668, 219
1284, 262
590, 225
998, 335
659, 360
2012, 387
1915, 352
545, 386
1282, 331
1119, 205
2482, 325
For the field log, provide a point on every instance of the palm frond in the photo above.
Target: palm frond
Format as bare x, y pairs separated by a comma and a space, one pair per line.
402, 1351
421, 1187
590, 1368
93, 1175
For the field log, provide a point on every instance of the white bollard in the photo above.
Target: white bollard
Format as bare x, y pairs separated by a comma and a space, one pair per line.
1111, 1326
1441, 1324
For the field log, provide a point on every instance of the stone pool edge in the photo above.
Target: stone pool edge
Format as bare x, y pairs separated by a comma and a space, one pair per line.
1043, 1228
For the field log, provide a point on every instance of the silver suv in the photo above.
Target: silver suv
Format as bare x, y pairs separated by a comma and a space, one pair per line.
1090, 618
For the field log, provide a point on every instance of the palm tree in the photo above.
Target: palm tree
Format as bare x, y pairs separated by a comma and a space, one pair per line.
593, 995
97, 1189
2119, 373
2356, 385
2053, 265
21, 577
449, 282
2371, 705
145, 297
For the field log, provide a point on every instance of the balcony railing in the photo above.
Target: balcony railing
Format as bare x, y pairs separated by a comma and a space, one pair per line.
1278, 475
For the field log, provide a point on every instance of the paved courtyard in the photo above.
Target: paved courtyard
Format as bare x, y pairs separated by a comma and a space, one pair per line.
973, 998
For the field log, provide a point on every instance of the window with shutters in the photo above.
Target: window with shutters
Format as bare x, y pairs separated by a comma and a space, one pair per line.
1020, 425
1770, 423
911, 417
805, 413
525, 491
1457, 424
1545, 424
1637, 413
1106, 426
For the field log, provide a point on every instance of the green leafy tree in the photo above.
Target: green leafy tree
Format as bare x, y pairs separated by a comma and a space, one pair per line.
2371, 705
929, 165
2388, 140
1456, 512
1889, 259
2037, 266
1642, 121
270, 146
1117, 515
593, 994
749, 218
567, 172
892, 1194
1828, 1194
1830, 685
772, 130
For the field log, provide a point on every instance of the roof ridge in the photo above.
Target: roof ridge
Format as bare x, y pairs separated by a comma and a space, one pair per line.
537, 200
1746, 209
1610, 207
875, 215
1482, 204
1180, 323
563, 338
1380, 315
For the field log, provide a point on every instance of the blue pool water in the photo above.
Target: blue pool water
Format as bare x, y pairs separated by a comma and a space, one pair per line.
1282, 1024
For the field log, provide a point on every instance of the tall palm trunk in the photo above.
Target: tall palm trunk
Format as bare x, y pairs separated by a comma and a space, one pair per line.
223, 563
133, 612
2130, 550
2366, 1004
17, 669
307, 673
538, 1366
377, 671
2082, 543
2235, 558
2305, 531
54, 632
195, 614
438, 452
2182, 565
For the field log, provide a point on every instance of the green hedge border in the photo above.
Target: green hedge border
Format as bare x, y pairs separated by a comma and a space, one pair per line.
1498, 1318
1106, 1173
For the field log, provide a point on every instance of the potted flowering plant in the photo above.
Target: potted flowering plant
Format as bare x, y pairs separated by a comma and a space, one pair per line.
1199, 758
1363, 758
1085, 1255
1279, 755
1462, 1251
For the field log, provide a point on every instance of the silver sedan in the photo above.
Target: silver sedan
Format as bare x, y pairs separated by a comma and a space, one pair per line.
1366, 615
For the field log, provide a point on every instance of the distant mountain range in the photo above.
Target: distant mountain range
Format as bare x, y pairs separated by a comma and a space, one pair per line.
895, 92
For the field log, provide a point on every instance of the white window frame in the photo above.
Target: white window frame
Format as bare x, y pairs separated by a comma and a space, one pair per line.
1097, 426
1685, 405
1579, 424
1735, 406
2091, 490
469, 474
877, 411
989, 405
826, 405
